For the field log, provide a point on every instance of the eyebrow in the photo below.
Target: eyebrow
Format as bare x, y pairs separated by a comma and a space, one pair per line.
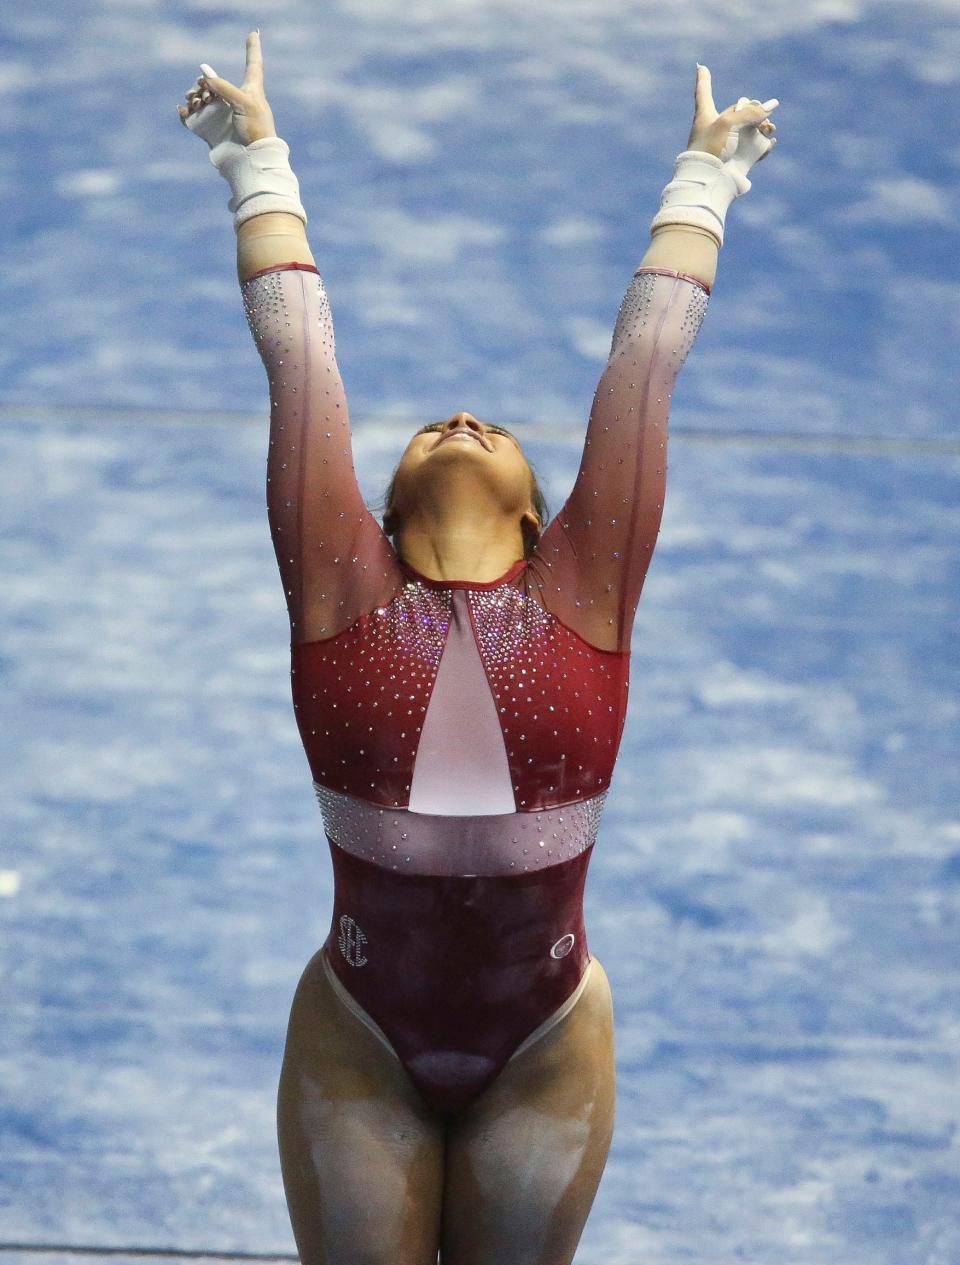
489, 426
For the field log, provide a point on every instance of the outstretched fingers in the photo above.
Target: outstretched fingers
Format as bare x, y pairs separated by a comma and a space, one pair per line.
210, 81
714, 132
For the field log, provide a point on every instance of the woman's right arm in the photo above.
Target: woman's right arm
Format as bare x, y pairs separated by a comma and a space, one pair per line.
245, 116
335, 562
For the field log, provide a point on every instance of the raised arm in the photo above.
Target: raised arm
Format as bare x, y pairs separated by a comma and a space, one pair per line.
595, 554
693, 248
335, 562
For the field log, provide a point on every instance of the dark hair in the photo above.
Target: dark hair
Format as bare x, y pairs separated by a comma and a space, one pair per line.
531, 535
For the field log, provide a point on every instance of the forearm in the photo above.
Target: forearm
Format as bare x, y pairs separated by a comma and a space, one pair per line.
683, 248
266, 240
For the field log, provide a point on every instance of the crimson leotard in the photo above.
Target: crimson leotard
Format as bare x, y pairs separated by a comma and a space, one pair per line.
462, 735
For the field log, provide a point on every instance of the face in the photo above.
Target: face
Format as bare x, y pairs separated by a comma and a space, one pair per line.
491, 453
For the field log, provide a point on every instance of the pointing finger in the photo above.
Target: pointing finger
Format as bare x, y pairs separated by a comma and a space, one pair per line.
703, 94
254, 71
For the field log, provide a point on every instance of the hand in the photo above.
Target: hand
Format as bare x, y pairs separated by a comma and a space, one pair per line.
219, 111
743, 129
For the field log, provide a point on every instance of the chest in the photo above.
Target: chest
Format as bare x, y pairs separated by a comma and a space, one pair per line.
460, 700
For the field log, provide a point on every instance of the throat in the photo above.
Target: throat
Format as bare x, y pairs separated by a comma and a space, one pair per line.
462, 564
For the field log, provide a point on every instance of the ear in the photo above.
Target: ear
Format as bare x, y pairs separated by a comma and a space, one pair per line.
531, 529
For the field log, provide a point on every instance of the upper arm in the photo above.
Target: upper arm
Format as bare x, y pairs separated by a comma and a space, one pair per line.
335, 562
598, 547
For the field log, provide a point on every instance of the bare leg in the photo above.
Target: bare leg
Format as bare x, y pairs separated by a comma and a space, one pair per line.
524, 1161
362, 1156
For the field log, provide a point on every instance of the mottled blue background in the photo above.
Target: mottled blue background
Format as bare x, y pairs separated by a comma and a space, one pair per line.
776, 891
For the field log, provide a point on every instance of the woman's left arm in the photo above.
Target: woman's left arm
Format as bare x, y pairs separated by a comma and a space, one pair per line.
598, 548
693, 249
682, 248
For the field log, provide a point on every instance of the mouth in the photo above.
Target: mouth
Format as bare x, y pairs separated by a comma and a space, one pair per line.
462, 434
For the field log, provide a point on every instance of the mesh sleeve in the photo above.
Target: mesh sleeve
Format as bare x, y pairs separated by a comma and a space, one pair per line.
335, 561
592, 559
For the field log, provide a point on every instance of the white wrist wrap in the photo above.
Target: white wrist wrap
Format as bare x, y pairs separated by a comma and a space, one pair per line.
702, 188
260, 178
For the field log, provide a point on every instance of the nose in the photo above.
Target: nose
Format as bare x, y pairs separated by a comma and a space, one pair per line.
463, 421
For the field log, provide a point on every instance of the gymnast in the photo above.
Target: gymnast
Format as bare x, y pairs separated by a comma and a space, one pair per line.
459, 679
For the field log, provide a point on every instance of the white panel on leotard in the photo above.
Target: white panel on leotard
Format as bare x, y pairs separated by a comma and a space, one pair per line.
461, 767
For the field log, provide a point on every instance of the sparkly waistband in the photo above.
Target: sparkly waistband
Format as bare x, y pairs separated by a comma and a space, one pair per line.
425, 843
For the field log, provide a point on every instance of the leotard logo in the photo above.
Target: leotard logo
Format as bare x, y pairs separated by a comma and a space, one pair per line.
563, 945
351, 941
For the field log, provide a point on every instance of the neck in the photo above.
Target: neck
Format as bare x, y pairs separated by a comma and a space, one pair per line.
465, 551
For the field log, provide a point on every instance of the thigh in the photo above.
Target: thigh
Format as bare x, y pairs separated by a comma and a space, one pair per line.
524, 1162
361, 1155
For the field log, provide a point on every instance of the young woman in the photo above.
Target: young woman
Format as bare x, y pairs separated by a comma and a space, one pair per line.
448, 1080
